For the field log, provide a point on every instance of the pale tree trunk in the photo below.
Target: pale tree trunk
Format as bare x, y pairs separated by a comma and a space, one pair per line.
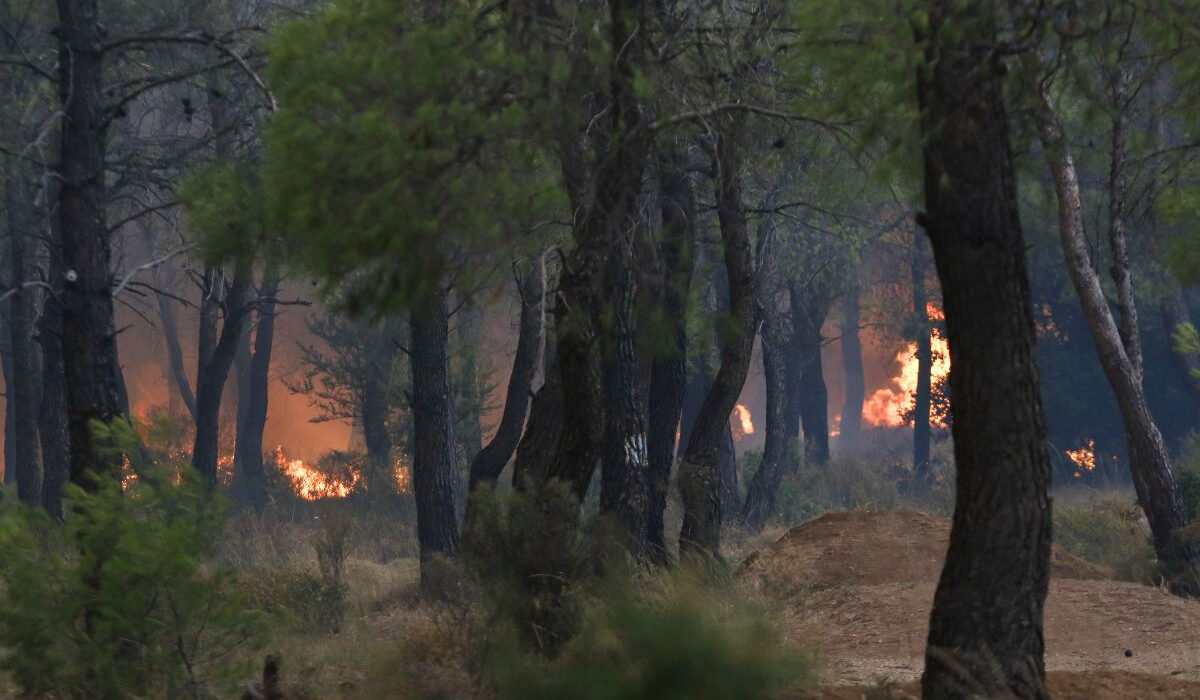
1149, 461
852, 368
985, 630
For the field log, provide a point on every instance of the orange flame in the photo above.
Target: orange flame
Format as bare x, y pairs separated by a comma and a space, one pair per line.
745, 422
1084, 458
886, 407
310, 483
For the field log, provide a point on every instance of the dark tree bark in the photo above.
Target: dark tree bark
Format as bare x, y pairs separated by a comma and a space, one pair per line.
252, 419
374, 409
1149, 461
468, 416
93, 384
540, 440
852, 368
922, 398
668, 370
491, 460
52, 414
624, 475
170, 326
760, 495
433, 471
24, 391
699, 474
808, 391
213, 372
985, 632
605, 220
10, 416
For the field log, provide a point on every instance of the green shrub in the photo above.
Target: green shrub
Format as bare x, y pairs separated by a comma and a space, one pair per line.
122, 600
1107, 530
667, 639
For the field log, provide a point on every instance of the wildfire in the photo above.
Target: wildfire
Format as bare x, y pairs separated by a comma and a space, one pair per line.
745, 422
886, 407
1084, 458
310, 483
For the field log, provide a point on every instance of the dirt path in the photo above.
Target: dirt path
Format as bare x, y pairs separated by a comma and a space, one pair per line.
859, 586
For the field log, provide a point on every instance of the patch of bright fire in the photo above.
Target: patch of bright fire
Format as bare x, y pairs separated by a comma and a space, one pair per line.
1084, 458
313, 484
887, 406
744, 425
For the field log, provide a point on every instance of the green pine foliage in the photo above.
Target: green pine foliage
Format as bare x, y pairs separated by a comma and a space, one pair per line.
123, 600
400, 146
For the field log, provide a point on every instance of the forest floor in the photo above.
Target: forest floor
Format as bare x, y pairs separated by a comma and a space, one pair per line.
859, 585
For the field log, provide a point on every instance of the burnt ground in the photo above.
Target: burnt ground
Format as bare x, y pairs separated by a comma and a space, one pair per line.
858, 587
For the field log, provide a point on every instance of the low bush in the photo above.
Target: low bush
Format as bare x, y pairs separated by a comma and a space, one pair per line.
1107, 529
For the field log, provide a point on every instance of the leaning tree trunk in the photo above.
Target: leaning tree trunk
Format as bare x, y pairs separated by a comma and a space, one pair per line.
921, 400
252, 420
433, 472
1153, 476
89, 348
491, 460
852, 368
985, 631
668, 369
699, 474
24, 392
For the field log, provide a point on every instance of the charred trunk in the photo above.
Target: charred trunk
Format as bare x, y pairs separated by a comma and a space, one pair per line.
699, 471
668, 370
24, 391
985, 631
253, 419
808, 310
760, 496
52, 414
93, 386
433, 472
540, 439
491, 460
923, 395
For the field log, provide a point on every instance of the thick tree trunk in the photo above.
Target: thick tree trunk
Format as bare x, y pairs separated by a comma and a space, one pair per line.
433, 471
699, 474
668, 369
923, 395
985, 633
807, 390
52, 414
852, 368
624, 472
1149, 461
90, 348
24, 393
214, 371
760, 496
253, 419
491, 460
538, 444
468, 415
10, 416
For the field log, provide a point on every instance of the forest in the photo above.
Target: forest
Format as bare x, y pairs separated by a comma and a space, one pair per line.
605, 349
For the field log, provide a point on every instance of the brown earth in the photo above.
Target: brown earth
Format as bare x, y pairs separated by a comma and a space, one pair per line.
859, 585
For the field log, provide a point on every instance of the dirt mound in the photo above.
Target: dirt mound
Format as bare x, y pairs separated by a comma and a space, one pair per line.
1063, 685
865, 548
860, 586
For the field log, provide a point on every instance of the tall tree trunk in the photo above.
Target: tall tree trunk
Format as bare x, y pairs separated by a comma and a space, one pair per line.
852, 367
10, 416
377, 438
52, 414
807, 390
170, 326
985, 631
212, 374
253, 420
624, 473
433, 471
90, 348
1149, 461
491, 460
921, 400
760, 496
699, 475
469, 388
25, 391
668, 370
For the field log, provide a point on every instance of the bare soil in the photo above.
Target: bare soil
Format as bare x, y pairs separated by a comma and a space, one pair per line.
859, 585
